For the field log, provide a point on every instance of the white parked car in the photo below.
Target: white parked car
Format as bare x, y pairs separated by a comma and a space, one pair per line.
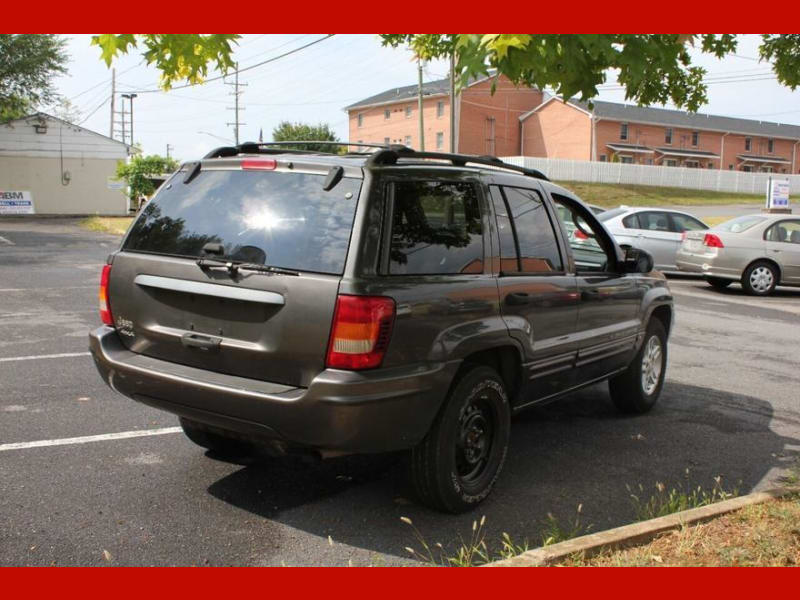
660, 231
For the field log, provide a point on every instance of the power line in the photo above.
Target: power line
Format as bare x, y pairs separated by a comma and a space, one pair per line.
263, 62
86, 118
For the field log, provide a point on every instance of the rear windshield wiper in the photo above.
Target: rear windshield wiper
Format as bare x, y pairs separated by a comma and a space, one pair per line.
234, 267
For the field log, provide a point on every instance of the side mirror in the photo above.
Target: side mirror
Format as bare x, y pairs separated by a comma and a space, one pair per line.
637, 260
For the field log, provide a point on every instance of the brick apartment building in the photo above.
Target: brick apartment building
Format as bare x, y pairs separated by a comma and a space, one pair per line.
528, 122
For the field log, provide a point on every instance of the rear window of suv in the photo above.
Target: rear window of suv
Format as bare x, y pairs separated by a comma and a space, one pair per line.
280, 219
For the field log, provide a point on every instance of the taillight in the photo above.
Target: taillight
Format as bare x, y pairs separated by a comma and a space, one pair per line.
712, 241
259, 164
362, 326
580, 235
105, 308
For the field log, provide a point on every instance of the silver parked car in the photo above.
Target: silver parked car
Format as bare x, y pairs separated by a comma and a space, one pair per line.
760, 251
660, 231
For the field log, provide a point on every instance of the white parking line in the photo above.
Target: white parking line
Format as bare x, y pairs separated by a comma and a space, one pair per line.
39, 289
122, 435
6, 241
41, 356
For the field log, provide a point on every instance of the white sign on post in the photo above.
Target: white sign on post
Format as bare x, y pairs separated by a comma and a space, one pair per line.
16, 203
778, 193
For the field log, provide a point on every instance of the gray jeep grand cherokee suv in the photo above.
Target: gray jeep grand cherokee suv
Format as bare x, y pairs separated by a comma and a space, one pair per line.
374, 302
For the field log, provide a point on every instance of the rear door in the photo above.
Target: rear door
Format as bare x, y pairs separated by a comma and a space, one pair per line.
538, 298
654, 234
783, 244
273, 327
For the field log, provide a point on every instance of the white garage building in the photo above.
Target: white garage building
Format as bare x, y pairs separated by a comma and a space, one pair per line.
51, 167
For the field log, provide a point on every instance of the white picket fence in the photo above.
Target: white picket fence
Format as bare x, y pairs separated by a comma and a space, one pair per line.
699, 179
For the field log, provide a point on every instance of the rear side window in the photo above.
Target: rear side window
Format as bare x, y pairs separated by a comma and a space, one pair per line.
436, 229
279, 219
536, 248
631, 221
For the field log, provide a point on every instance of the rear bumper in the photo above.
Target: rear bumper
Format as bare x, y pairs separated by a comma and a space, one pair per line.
341, 411
706, 264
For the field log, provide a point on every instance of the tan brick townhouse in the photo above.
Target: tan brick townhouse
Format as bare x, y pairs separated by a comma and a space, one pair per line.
529, 122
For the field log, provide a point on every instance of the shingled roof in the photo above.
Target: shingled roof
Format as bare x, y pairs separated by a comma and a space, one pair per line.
409, 92
682, 119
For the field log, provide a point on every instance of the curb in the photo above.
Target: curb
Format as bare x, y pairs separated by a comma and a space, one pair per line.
636, 533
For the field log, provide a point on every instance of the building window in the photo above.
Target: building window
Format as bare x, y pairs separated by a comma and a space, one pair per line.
440, 108
387, 113
603, 158
748, 143
360, 119
407, 141
386, 141
408, 112
623, 131
770, 145
649, 161
695, 138
672, 163
360, 141
747, 169
710, 165
668, 135
626, 160
439, 140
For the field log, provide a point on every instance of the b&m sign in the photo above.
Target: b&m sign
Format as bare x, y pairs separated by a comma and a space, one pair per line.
16, 203
778, 193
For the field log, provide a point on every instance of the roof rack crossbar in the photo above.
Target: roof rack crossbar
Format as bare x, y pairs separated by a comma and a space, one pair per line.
279, 147
390, 156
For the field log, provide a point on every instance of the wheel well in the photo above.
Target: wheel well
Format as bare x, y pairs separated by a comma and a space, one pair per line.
503, 359
765, 260
663, 314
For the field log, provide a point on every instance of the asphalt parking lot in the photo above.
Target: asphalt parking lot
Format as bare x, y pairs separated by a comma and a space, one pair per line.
729, 408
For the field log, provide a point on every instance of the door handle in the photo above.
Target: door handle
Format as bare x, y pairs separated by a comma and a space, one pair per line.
518, 298
201, 342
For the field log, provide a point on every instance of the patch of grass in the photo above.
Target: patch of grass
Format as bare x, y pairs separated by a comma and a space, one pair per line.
472, 552
612, 195
555, 532
665, 502
115, 225
766, 534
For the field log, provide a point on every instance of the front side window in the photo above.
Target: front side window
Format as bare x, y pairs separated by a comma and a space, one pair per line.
653, 221
535, 245
668, 135
748, 143
589, 254
770, 145
436, 229
695, 138
623, 131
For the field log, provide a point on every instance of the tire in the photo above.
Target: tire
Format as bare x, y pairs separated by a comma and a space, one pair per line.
760, 278
457, 464
636, 390
215, 442
718, 283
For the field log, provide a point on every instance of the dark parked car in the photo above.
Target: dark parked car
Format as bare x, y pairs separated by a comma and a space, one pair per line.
374, 302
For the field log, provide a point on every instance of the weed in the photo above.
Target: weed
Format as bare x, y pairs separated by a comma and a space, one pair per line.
554, 532
665, 502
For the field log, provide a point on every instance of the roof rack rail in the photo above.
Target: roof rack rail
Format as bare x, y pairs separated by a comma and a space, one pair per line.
390, 156
279, 148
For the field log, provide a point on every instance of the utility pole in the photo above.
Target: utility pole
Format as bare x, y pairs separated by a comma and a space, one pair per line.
122, 102
452, 101
169, 147
113, 93
130, 98
419, 105
236, 108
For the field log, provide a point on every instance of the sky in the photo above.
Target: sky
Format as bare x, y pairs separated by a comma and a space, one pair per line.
314, 85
